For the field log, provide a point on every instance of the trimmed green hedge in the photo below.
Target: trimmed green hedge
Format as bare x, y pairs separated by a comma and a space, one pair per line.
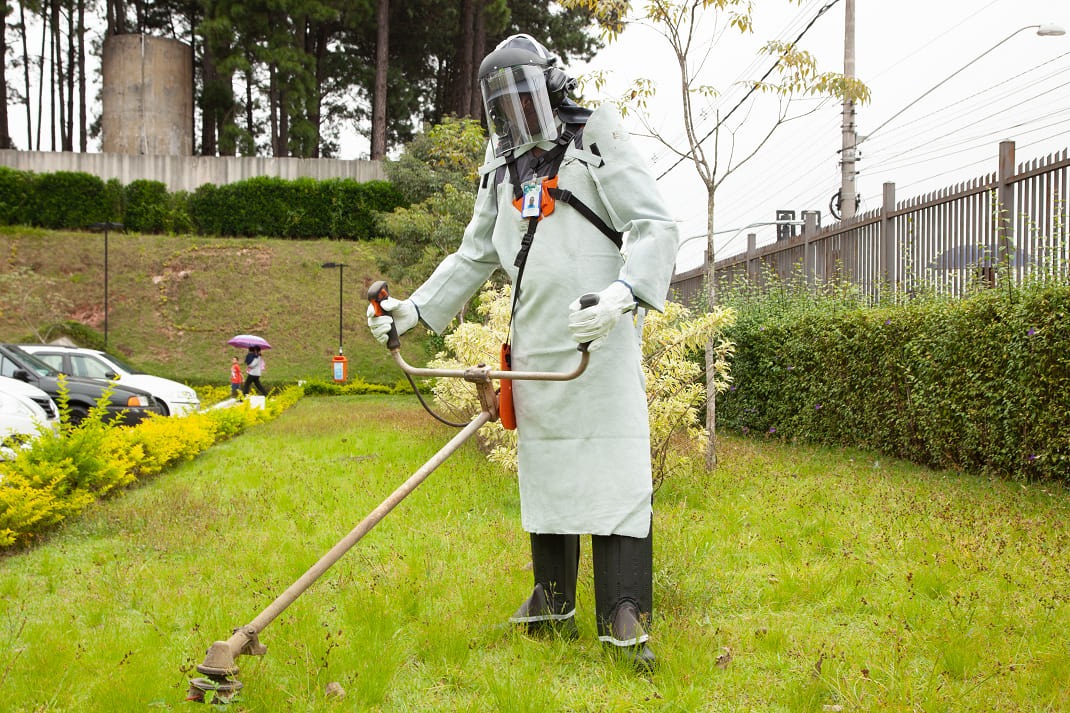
15, 193
265, 207
980, 384
64, 199
355, 387
302, 209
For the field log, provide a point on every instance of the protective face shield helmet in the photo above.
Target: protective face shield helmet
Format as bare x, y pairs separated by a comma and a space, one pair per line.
521, 88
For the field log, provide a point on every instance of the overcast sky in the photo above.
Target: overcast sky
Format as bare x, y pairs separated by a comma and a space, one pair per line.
1020, 90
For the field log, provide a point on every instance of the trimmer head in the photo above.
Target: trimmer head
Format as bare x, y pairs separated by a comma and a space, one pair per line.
213, 689
218, 666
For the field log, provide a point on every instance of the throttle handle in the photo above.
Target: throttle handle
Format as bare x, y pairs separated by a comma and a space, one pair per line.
376, 294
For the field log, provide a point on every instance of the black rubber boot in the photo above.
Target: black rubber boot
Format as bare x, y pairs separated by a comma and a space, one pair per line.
551, 608
624, 594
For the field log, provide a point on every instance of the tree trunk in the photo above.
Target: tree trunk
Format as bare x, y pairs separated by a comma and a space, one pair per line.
83, 132
116, 17
42, 80
209, 110
250, 120
479, 45
55, 76
315, 105
68, 129
463, 70
26, 73
5, 138
284, 122
711, 374
273, 109
382, 64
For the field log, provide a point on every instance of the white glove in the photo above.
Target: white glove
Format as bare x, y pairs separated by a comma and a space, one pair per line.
595, 322
401, 313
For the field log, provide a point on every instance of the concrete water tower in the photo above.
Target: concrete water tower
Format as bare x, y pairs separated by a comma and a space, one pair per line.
148, 96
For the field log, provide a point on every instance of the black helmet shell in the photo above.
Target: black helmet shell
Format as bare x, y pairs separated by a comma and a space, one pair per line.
517, 50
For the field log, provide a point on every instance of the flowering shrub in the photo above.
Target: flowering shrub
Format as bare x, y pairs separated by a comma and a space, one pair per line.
63, 472
675, 379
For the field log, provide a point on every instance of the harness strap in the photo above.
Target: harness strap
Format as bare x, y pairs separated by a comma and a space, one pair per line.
551, 160
521, 260
563, 194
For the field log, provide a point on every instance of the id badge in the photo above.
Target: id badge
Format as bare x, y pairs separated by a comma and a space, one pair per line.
532, 191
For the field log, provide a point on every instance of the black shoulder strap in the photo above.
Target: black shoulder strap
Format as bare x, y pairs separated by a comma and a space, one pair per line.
567, 196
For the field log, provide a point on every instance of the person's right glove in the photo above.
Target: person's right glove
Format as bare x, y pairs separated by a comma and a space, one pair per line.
593, 323
402, 313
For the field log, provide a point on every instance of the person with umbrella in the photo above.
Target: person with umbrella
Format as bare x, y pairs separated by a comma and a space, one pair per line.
254, 367
254, 361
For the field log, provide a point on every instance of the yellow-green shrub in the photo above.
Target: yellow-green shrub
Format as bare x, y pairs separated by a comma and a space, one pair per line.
164, 441
63, 472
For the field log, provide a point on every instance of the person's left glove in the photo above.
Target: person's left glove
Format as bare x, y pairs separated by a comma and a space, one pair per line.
593, 323
401, 313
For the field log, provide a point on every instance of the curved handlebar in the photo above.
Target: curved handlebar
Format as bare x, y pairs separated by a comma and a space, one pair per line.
481, 372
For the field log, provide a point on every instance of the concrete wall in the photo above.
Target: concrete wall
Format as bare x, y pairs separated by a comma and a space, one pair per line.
147, 96
186, 173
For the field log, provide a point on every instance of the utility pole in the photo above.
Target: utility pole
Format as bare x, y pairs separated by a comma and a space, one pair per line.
848, 157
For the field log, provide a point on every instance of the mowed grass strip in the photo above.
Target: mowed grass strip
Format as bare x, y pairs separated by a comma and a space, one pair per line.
791, 579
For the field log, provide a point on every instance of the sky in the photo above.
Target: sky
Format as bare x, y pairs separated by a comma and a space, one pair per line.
936, 61
949, 80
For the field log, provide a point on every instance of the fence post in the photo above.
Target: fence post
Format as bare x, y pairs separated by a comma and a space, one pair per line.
752, 262
1005, 198
888, 240
809, 228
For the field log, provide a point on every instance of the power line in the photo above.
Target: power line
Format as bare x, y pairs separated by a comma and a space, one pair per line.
753, 89
962, 107
723, 98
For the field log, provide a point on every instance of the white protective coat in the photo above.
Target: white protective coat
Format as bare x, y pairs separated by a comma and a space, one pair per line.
584, 445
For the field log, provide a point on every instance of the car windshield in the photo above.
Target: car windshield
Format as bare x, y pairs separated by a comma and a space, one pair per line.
120, 365
29, 361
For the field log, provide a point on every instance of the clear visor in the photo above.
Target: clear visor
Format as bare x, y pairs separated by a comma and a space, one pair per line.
518, 108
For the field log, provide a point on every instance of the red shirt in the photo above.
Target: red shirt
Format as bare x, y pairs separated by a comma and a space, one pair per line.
235, 374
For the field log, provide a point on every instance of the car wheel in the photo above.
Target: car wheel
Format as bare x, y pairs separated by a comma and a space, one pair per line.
78, 414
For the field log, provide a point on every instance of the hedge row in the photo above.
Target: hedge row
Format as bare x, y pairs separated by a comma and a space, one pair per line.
63, 472
270, 207
980, 384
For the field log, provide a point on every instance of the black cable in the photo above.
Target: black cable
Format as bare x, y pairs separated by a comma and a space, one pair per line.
428, 408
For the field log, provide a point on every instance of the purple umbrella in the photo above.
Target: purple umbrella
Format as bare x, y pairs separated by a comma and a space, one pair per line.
248, 340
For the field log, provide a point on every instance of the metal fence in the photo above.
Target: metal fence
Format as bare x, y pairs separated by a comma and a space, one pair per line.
1011, 222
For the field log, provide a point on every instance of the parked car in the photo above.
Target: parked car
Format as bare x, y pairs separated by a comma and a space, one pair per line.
24, 409
29, 391
178, 398
125, 404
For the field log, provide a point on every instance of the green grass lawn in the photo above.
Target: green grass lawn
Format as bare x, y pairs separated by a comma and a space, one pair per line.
791, 579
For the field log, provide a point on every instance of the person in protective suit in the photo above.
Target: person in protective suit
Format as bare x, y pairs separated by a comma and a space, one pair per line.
560, 187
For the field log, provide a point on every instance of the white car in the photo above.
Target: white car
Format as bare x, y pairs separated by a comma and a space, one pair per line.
178, 398
24, 409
